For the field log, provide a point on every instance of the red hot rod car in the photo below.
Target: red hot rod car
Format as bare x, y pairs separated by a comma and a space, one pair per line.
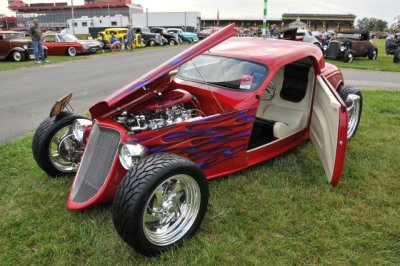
217, 108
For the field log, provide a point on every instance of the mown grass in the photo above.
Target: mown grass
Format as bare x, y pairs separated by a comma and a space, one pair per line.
383, 63
280, 212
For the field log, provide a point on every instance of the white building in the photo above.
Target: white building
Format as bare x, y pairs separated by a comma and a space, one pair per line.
189, 20
82, 25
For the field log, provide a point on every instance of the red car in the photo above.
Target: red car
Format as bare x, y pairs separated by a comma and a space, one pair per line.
217, 108
68, 44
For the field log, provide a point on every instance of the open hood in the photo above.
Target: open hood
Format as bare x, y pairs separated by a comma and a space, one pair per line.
137, 88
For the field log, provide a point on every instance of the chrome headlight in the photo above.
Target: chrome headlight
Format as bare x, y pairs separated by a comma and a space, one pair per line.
79, 128
86, 46
25, 46
342, 48
325, 47
130, 153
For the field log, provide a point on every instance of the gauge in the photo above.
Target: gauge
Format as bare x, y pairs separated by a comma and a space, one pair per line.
269, 92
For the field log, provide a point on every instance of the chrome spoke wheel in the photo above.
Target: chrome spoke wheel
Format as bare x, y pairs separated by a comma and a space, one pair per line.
171, 210
353, 111
65, 151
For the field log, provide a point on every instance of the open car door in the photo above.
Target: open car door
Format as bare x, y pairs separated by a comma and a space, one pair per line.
328, 131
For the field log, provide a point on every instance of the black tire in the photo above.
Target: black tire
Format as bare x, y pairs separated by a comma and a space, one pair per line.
396, 57
372, 53
136, 193
42, 140
356, 111
152, 43
348, 56
18, 56
172, 42
71, 51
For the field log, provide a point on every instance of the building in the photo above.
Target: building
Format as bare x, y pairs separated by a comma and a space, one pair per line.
239, 22
321, 22
54, 16
189, 21
7, 23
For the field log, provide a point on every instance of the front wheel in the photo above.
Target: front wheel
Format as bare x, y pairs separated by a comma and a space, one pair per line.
54, 146
348, 56
160, 203
352, 97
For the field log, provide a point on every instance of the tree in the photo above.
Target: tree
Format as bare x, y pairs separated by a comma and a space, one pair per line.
372, 24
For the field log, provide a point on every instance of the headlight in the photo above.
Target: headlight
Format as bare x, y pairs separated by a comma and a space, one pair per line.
130, 153
25, 46
325, 47
86, 46
342, 48
79, 128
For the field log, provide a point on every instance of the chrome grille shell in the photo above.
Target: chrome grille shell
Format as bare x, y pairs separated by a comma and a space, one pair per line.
99, 156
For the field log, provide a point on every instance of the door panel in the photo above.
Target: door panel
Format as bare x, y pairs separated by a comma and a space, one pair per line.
328, 129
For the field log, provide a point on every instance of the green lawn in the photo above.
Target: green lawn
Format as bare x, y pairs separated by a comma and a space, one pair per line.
383, 63
279, 212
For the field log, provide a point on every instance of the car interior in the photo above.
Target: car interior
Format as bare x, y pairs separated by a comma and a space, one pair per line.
284, 107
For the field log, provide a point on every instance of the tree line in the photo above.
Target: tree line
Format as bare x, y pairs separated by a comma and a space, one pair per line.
374, 24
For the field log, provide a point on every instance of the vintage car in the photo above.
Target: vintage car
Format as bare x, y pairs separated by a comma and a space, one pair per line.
307, 36
219, 107
68, 44
149, 38
13, 46
119, 33
204, 33
392, 47
351, 44
172, 39
185, 36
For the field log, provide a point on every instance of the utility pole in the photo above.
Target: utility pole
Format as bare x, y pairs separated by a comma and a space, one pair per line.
264, 26
72, 11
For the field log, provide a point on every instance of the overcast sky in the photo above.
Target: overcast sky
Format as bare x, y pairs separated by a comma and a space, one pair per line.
383, 9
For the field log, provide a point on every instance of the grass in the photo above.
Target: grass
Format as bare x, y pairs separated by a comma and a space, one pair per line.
280, 212
383, 63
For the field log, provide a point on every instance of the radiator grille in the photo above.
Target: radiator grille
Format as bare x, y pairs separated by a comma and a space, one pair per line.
96, 164
333, 49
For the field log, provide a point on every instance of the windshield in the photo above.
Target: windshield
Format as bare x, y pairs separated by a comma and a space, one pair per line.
227, 72
67, 38
348, 35
145, 30
12, 35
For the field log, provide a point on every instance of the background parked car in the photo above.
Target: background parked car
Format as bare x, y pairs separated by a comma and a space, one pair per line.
206, 32
185, 36
172, 39
307, 36
149, 38
350, 44
68, 44
14, 47
119, 33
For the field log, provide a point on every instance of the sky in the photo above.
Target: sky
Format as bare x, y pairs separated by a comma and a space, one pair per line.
381, 9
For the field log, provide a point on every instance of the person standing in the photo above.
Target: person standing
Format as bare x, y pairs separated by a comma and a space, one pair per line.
36, 36
130, 38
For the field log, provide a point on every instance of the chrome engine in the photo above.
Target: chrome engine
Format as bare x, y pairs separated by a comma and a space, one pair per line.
156, 119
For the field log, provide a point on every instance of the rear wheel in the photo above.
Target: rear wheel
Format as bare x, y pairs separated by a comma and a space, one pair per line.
54, 146
18, 56
160, 202
71, 51
348, 56
396, 57
372, 53
152, 43
172, 42
352, 97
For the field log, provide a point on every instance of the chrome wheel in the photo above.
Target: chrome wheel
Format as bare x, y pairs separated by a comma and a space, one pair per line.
65, 151
171, 210
353, 112
71, 51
